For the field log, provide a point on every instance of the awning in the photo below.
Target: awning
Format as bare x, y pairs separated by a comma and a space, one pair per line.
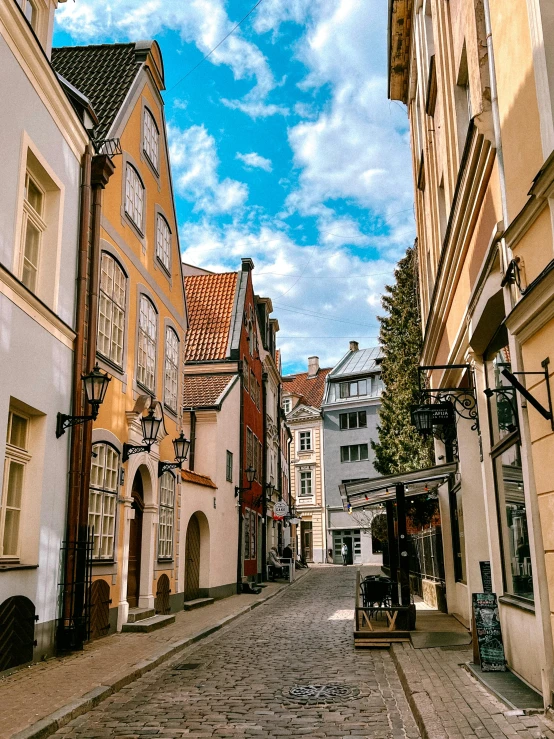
378, 490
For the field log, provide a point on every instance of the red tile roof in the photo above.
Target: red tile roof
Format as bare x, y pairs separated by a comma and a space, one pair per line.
210, 300
204, 390
194, 477
311, 389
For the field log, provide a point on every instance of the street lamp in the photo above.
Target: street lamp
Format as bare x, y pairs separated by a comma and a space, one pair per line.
422, 418
250, 475
181, 447
150, 427
96, 384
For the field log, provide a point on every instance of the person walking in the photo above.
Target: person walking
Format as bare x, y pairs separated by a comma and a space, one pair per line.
344, 552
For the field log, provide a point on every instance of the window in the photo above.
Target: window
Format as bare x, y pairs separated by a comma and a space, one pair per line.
306, 490
354, 453
16, 461
353, 389
287, 405
247, 534
249, 448
304, 441
147, 344
245, 374
102, 499
163, 242
354, 420
31, 13
253, 528
229, 467
171, 370
111, 318
33, 229
151, 143
134, 196
167, 510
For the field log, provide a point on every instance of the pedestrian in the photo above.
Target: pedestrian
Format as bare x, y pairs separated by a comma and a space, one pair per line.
344, 552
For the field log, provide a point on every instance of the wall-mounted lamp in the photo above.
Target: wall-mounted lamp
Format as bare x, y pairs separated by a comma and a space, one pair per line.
96, 384
250, 475
181, 446
150, 427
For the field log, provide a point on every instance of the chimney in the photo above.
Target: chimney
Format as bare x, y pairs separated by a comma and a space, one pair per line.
247, 264
313, 366
354, 346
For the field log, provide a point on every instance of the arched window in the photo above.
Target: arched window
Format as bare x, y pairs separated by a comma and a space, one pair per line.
111, 318
151, 141
134, 196
146, 360
102, 499
163, 242
171, 369
167, 514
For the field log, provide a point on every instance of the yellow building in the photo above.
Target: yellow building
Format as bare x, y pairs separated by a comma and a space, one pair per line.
478, 79
141, 326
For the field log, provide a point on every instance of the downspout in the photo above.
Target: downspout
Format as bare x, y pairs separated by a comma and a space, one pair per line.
264, 477
240, 480
547, 671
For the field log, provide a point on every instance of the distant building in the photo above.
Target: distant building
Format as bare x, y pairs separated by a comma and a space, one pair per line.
302, 398
350, 417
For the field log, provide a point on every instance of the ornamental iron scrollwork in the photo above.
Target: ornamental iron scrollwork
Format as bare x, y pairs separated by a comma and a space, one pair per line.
462, 399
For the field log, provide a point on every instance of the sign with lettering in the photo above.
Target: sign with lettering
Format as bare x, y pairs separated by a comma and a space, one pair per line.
489, 633
281, 508
486, 576
443, 414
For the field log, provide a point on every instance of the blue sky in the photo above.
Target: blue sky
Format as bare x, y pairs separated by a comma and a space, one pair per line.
284, 148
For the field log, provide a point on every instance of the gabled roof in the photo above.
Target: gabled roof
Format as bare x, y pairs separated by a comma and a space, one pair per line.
360, 362
103, 73
205, 391
210, 301
310, 390
194, 477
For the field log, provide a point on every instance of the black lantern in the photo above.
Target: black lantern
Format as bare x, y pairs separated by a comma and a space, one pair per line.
422, 419
96, 384
250, 474
150, 427
181, 447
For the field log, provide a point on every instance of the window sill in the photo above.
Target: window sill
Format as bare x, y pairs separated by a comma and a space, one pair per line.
6, 567
166, 271
151, 165
147, 390
165, 562
96, 562
171, 412
513, 600
136, 228
110, 363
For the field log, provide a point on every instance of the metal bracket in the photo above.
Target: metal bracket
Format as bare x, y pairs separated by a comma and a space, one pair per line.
512, 379
129, 449
463, 399
166, 466
64, 422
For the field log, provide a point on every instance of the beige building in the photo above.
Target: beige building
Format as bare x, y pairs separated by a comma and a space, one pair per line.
478, 79
302, 399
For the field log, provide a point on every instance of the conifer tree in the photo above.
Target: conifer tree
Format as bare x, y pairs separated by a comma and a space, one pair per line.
400, 447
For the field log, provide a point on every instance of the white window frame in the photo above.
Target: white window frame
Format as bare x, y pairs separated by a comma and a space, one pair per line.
287, 405
304, 436
151, 139
102, 512
349, 447
134, 196
305, 476
171, 369
111, 310
166, 516
147, 336
163, 242
35, 219
34, 15
15, 455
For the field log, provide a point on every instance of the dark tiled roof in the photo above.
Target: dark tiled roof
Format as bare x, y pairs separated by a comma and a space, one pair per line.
204, 390
210, 301
103, 73
310, 389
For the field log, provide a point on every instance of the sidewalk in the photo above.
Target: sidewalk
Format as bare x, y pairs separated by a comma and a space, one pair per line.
448, 703
39, 699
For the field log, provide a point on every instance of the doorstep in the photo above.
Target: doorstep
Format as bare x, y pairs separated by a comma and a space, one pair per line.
508, 688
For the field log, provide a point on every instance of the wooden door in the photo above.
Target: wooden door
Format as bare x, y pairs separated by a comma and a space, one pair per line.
161, 604
17, 632
99, 609
192, 557
307, 540
135, 544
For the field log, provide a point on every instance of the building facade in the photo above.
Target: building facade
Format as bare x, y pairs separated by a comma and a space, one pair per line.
302, 398
134, 511
478, 79
350, 418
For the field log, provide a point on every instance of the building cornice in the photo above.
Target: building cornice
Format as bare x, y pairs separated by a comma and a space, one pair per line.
399, 40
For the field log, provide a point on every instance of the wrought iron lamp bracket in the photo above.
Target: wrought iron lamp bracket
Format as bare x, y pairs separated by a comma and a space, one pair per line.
462, 399
129, 449
64, 422
547, 413
166, 466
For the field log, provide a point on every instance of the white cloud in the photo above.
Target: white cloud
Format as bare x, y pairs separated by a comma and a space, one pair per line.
256, 108
252, 159
194, 164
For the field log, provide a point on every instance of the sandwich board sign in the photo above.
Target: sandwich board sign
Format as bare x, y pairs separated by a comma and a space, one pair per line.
489, 633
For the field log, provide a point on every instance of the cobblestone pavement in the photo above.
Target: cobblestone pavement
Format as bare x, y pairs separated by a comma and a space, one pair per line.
244, 674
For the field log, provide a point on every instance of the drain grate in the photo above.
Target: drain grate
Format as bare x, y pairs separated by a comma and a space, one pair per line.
186, 666
329, 693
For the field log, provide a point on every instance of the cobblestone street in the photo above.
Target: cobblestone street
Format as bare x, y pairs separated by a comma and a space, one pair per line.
244, 674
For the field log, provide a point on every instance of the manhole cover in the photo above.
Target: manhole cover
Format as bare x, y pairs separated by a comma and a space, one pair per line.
186, 666
322, 693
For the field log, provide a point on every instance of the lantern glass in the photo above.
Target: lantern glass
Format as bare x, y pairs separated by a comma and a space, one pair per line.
96, 385
181, 446
150, 427
250, 474
422, 418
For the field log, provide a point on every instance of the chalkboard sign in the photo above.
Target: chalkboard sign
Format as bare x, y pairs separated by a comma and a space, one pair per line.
489, 633
486, 576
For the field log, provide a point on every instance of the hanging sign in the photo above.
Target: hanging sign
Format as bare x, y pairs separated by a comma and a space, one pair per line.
489, 633
486, 576
443, 414
280, 508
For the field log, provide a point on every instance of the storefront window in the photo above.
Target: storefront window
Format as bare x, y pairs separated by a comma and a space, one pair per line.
502, 402
513, 516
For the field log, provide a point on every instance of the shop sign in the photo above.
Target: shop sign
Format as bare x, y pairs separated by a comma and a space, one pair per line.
443, 414
280, 508
489, 633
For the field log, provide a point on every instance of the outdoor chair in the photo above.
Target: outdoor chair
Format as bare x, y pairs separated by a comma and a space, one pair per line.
376, 593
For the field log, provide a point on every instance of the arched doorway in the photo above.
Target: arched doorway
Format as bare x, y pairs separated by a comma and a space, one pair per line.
192, 559
99, 609
135, 542
17, 632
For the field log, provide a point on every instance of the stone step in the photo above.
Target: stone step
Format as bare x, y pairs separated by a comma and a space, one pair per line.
146, 625
190, 605
139, 614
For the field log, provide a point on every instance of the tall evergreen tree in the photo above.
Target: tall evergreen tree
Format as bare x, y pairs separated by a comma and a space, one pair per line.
400, 447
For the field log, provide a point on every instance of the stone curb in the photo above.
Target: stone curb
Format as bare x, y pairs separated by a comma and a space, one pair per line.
427, 720
54, 721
